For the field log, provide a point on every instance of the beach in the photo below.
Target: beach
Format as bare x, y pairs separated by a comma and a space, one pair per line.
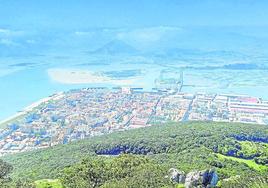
78, 76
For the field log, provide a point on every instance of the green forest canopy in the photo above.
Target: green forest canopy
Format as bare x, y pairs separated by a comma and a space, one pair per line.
238, 152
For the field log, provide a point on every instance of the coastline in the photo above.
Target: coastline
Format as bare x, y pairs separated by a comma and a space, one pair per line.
78, 76
59, 95
30, 108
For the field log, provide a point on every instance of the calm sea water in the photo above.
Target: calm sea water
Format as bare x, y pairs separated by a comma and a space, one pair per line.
22, 88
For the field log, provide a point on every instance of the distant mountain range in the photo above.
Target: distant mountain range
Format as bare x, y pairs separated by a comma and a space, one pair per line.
169, 42
119, 47
115, 47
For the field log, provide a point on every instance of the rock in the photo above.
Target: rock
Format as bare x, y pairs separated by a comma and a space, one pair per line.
205, 178
213, 177
182, 178
194, 179
176, 175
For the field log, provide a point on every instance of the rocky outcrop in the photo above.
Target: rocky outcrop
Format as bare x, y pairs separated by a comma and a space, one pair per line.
193, 179
177, 176
202, 179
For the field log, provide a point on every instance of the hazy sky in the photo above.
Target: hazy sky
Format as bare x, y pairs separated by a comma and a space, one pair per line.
131, 13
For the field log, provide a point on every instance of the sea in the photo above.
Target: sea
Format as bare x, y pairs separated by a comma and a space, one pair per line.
23, 87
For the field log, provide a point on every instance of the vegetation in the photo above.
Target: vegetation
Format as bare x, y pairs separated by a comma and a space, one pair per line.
5, 169
123, 171
238, 152
249, 163
48, 183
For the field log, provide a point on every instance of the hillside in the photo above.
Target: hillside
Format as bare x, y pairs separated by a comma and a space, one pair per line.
115, 47
238, 152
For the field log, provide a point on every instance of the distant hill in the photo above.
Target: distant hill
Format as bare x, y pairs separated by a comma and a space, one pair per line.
197, 53
115, 47
232, 149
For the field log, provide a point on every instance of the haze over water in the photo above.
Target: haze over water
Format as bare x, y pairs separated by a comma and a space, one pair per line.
52, 46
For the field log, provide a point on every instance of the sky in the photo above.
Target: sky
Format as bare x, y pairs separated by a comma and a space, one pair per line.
66, 14
40, 34
34, 25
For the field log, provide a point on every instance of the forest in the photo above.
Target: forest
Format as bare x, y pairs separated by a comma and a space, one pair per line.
142, 157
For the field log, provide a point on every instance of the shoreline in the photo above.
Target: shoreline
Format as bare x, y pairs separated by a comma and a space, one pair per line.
29, 108
59, 95
78, 76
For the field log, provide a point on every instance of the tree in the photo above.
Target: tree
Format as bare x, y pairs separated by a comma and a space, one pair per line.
5, 169
89, 173
122, 171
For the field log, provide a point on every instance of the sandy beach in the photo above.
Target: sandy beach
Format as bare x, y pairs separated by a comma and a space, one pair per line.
77, 76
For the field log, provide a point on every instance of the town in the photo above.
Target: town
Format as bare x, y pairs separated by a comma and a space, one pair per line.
82, 113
